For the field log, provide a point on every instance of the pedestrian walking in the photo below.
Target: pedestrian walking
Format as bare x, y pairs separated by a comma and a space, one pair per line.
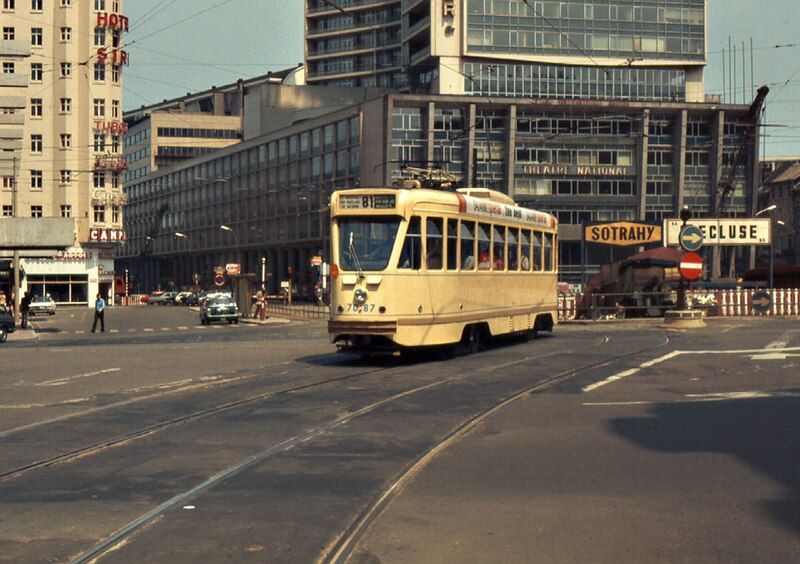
99, 314
24, 308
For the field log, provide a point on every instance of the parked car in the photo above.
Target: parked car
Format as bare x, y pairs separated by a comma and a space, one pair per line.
219, 308
42, 304
167, 298
180, 299
191, 300
146, 299
6, 325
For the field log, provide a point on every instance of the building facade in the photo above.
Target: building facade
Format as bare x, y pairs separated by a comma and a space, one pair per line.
600, 49
61, 101
582, 160
781, 188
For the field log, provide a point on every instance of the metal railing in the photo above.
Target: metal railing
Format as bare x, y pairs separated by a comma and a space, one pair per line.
298, 311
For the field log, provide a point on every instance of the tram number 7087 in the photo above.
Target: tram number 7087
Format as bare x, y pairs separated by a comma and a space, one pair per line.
356, 308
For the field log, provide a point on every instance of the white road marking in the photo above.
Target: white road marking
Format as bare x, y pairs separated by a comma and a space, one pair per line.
673, 354
80, 332
699, 398
62, 381
113, 331
166, 329
147, 330
131, 330
182, 328
772, 356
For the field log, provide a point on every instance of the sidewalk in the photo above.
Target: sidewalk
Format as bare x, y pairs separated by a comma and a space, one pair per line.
267, 321
22, 335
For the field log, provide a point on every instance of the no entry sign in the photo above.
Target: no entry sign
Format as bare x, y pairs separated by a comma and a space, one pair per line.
691, 266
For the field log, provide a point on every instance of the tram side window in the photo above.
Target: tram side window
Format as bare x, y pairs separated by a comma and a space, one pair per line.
513, 248
537, 251
525, 250
411, 255
484, 247
433, 243
548, 251
498, 247
452, 244
467, 245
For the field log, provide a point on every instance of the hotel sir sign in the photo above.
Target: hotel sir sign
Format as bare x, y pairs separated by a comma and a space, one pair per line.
576, 170
622, 233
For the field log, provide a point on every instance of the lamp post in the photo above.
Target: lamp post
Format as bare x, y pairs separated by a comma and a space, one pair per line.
770, 209
235, 242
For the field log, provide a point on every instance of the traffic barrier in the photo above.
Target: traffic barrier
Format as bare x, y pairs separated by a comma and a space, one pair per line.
566, 307
132, 300
739, 302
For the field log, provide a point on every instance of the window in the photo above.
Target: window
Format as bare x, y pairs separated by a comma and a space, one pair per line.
115, 143
99, 36
525, 250
36, 143
36, 36
36, 72
99, 142
66, 34
452, 244
66, 140
115, 214
66, 105
36, 179
100, 72
36, 107
65, 3
512, 236
115, 74
8, 34
484, 258
467, 245
66, 211
8, 67
411, 254
8, 211
99, 180
8, 182
498, 247
99, 214
65, 176
549, 263
537, 251
66, 69
99, 107
36, 5
100, 5
8, 4
36, 211
433, 243
366, 243
115, 109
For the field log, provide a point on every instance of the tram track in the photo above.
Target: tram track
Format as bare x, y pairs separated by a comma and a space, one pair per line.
122, 535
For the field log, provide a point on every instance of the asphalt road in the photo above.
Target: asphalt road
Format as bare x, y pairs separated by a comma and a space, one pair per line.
602, 443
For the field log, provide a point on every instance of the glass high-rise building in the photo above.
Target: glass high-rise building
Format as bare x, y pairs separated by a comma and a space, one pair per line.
601, 49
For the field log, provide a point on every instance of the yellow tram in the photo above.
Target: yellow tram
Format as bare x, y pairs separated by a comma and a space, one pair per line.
423, 267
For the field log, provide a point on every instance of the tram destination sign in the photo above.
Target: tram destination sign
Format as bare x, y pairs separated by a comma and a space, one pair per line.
622, 233
722, 232
366, 201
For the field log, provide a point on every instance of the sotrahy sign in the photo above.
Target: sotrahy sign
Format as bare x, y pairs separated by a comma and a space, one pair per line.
622, 233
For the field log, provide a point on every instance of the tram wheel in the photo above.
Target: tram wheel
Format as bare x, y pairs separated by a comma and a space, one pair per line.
473, 339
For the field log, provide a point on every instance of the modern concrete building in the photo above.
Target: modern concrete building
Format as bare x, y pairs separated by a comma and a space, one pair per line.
582, 160
61, 134
600, 49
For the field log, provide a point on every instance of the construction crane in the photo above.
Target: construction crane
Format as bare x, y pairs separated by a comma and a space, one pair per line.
725, 186
155, 226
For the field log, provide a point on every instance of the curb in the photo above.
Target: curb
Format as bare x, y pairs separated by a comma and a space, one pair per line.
267, 321
23, 335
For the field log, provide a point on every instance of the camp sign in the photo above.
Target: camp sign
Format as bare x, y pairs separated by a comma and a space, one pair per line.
622, 233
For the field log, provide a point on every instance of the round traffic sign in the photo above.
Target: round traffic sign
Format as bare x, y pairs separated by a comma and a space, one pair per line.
691, 266
691, 238
219, 280
761, 301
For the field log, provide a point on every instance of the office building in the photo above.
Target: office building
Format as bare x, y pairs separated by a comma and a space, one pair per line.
597, 161
599, 49
61, 135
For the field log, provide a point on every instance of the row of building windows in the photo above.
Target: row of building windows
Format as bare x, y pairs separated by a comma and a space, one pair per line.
199, 132
65, 106
592, 187
99, 215
38, 5
99, 144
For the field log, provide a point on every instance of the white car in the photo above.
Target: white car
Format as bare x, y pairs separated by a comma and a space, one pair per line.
181, 296
42, 304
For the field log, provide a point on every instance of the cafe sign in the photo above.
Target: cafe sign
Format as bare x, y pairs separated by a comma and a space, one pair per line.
622, 233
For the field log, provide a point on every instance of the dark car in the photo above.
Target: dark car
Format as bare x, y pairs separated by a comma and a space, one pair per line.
190, 300
219, 308
6, 325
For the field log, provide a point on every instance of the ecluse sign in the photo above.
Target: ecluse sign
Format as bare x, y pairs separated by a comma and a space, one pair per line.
722, 232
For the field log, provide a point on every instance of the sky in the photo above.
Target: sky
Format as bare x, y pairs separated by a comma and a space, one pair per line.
180, 46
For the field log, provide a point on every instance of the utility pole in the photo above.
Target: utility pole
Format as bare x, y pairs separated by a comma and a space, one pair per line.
15, 213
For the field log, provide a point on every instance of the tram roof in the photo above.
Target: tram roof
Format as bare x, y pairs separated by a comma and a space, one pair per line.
481, 202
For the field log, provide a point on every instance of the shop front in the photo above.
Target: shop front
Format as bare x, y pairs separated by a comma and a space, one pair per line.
72, 277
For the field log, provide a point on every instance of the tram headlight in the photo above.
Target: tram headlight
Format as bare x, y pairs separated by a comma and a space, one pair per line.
360, 297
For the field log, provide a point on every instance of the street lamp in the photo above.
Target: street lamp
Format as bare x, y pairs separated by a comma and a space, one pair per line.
235, 242
770, 209
180, 235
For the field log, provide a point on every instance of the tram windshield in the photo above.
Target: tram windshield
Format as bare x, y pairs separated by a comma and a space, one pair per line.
366, 244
